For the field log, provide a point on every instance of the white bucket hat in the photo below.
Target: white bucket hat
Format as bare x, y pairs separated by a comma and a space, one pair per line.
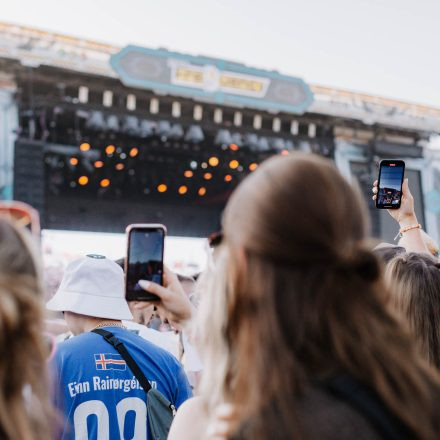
92, 286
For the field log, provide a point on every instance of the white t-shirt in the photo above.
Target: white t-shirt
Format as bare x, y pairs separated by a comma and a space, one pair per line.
167, 340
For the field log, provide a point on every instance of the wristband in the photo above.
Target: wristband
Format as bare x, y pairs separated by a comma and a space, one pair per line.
406, 229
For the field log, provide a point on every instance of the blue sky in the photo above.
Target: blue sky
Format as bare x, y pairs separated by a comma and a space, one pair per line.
383, 47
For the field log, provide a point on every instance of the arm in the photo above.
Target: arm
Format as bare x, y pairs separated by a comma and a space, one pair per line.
405, 216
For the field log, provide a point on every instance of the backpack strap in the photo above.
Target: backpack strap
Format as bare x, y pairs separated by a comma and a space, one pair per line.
369, 404
120, 347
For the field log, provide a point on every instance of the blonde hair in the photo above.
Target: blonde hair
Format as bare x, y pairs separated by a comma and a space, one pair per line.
25, 410
296, 295
414, 280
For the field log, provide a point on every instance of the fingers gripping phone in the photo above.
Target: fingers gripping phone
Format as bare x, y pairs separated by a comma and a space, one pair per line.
144, 259
389, 186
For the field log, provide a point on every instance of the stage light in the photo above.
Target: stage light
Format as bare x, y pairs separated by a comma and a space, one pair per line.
99, 164
194, 134
84, 147
131, 125
73, 161
146, 128
233, 164
233, 147
162, 188
237, 138
188, 173
193, 164
202, 191
285, 152
176, 132
96, 121
213, 161
120, 166
223, 137
113, 123
110, 149
183, 189
204, 165
134, 152
253, 166
83, 180
207, 176
278, 144
164, 128
228, 178
263, 144
104, 183
251, 140
123, 156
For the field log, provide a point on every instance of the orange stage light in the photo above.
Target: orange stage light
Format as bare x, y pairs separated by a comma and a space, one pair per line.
84, 147
183, 189
202, 191
162, 188
233, 147
105, 183
110, 149
234, 164
228, 178
73, 161
83, 180
253, 166
134, 152
213, 161
99, 164
207, 176
188, 173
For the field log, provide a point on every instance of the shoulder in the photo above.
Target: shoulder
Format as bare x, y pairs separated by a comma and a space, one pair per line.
190, 422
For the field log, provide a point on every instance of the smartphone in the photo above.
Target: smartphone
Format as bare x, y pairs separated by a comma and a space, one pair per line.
144, 259
389, 194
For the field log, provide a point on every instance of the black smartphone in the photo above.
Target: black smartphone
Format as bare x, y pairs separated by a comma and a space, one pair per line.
389, 187
144, 259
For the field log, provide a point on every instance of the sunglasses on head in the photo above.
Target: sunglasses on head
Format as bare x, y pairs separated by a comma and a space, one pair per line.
215, 239
21, 215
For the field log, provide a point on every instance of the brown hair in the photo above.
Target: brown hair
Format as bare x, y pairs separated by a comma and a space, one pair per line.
25, 410
414, 280
297, 295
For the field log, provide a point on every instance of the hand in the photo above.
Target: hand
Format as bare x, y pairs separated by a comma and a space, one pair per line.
405, 215
174, 305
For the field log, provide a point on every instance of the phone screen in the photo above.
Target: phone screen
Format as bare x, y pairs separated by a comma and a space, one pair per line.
144, 261
390, 184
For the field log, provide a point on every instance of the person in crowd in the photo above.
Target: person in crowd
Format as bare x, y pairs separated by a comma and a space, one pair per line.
414, 280
297, 338
25, 409
91, 377
386, 251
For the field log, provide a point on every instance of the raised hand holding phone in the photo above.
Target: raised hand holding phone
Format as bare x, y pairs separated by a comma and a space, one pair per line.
173, 302
406, 217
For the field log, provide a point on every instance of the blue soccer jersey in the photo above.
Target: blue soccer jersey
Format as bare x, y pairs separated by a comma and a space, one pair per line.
99, 395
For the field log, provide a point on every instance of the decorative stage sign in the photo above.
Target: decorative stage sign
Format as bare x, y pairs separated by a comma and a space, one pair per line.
213, 80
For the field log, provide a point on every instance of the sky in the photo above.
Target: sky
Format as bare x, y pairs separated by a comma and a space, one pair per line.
383, 47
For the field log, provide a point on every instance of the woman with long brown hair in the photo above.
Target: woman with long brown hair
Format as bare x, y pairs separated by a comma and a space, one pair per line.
25, 410
295, 331
414, 280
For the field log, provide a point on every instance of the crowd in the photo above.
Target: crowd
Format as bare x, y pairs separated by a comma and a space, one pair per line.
305, 328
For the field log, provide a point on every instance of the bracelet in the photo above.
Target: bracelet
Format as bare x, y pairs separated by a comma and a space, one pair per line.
406, 229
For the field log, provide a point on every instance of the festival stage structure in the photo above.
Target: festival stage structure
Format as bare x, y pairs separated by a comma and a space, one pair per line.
97, 136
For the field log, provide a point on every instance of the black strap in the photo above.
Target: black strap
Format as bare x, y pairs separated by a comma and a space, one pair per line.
120, 347
368, 403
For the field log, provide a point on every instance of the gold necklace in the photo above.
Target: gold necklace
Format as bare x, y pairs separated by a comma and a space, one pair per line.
109, 324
